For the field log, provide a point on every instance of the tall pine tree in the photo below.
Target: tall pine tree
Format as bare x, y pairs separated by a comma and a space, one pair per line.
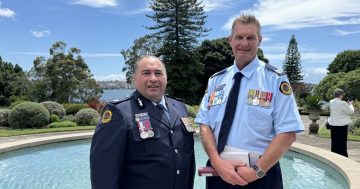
179, 25
292, 64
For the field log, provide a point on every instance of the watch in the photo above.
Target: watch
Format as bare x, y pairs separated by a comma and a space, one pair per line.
258, 171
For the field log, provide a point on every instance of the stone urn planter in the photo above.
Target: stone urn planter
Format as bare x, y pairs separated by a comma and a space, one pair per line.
314, 127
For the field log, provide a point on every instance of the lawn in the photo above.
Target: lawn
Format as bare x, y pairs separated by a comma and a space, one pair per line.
323, 132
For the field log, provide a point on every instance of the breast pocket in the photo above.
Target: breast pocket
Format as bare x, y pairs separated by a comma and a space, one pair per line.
259, 118
144, 143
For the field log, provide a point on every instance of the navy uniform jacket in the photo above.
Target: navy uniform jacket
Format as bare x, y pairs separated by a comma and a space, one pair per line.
121, 159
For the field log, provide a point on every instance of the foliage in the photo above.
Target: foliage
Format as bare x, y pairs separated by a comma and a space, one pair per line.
13, 82
261, 56
54, 118
349, 82
191, 111
54, 108
62, 124
312, 103
142, 46
74, 108
63, 77
29, 115
4, 116
179, 25
69, 118
345, 61
96, 105
292, 64
356, 123
87, 116
16, 103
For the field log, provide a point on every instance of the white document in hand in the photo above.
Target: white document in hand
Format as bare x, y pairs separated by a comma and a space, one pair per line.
235, 154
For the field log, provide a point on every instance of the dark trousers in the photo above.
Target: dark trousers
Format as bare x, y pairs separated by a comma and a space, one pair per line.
272, 180
339, 139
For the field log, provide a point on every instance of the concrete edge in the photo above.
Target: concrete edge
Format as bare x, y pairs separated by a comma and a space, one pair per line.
349, 168
15, 145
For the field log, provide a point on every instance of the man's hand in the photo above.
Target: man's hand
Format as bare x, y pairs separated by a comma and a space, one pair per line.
247, 173
226, 170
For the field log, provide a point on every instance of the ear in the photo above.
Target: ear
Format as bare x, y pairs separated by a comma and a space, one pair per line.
229, 38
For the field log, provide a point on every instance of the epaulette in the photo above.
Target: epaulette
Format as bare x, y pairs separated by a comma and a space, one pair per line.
219, 73
274, 69
117, 101
178, 99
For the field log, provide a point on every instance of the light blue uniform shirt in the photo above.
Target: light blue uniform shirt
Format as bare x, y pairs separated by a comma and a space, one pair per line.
254, 125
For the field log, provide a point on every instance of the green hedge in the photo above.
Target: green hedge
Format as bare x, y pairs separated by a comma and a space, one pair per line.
74, 108
54, 108
62, 124
29, 115
4, 116
87, 116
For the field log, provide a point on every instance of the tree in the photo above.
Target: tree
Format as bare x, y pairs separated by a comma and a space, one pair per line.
179, 24
12, 82
261, 56
145, 45
345, 61
63, 77
292, 64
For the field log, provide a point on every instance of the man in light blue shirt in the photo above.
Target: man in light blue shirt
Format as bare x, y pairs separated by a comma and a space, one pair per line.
265, 118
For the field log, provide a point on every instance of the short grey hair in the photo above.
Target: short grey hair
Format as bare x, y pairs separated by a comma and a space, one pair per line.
338, 92
247, 19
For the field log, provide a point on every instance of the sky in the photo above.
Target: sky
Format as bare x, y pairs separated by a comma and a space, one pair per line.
102, 28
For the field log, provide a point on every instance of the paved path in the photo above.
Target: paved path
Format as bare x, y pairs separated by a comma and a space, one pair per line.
304, 138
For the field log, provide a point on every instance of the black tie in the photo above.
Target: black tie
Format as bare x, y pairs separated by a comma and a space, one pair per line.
229, 113
164, 111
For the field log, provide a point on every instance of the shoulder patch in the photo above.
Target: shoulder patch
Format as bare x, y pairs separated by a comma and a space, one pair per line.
274, 69
178, 99
117, 101
219, 72
285, 88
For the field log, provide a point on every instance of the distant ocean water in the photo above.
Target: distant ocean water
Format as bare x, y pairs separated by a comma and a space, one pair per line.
109, 95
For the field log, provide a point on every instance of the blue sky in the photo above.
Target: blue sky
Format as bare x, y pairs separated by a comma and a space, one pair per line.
102, 28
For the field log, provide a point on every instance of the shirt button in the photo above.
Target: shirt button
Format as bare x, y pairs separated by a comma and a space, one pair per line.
178, 172
171, 131
176, 151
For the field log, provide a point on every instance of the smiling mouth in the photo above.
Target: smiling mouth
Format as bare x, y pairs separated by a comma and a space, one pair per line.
153, 86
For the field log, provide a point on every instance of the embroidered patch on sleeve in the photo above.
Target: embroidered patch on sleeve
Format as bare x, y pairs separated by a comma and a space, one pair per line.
285, 88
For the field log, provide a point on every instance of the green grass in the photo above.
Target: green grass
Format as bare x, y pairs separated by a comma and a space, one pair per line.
16, 132
324, 133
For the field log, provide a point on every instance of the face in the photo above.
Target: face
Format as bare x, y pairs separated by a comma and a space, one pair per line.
150, 79
244, 43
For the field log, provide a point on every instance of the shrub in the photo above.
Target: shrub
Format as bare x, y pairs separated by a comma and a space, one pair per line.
4, 116
191, 111
16, 103
69, 118
28, 115
74, 108
356, 123
54, 118
62, 124
87, 116
54, 108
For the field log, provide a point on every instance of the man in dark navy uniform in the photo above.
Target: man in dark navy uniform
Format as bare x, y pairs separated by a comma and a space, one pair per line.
144, 141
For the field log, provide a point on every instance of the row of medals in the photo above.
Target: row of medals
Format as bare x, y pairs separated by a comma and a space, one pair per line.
256, 101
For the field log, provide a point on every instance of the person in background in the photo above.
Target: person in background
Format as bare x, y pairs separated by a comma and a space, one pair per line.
339, 121
249, 106
144, 141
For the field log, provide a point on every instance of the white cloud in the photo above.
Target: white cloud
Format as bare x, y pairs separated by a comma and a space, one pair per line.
112, 77
317, 57
314, 75
342, 32
296, 14
39, 34
96, 3
5, 12
215, 5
